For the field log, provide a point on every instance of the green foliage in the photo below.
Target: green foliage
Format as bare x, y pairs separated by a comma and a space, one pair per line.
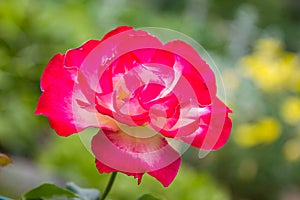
85, 194
47, 191
51, 191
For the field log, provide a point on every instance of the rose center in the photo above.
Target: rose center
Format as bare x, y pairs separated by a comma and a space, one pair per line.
144, 131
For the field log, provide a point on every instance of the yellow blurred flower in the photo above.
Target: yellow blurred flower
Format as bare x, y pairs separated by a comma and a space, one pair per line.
295, 80
290, 110
272, 68
291, 150
269, 46
266, 130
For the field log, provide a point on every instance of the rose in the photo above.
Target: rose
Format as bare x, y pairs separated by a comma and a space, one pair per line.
141, 94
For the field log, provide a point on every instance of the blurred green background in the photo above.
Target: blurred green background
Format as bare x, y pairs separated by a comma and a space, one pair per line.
254, 43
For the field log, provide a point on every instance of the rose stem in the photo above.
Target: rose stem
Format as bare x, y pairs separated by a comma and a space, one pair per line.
109, 185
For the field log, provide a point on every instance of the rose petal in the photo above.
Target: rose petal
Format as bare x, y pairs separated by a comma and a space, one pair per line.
150, 155
138, 39
116, 31
214, 129
196, 70
149, 95
56, 103
187, 122
167, 175
106, 104
102, 168
55, 70
111, 50
68, 110
75, 57
214, 141
141, 154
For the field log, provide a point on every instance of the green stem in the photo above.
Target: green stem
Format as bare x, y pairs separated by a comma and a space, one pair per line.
109, 185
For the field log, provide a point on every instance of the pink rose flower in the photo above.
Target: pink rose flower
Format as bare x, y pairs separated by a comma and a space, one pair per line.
143, 95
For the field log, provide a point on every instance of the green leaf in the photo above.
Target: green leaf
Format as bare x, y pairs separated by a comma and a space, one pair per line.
148, 197
84, 193
4, 160
47, 191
